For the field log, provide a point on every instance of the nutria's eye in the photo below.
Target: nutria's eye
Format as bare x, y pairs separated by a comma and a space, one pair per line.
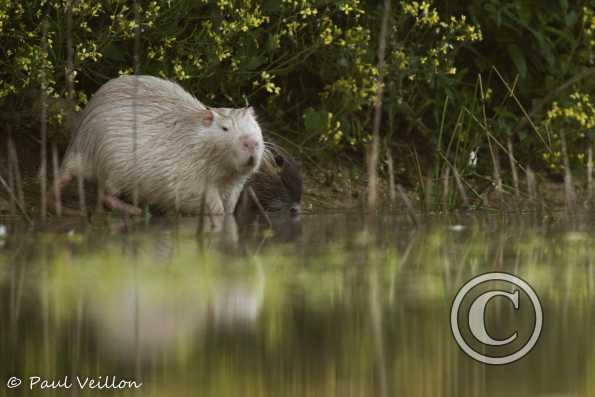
225, 128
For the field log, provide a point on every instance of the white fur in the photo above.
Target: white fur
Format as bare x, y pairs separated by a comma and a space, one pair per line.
145, 133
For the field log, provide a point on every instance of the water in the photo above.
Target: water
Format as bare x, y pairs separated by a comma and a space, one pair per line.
330, 305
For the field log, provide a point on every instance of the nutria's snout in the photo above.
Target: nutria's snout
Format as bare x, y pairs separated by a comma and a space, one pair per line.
250, 146
249, 143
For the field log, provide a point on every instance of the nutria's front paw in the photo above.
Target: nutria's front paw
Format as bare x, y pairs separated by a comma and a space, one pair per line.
214, 205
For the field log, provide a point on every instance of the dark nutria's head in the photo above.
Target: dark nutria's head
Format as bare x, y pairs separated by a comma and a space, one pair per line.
278, 183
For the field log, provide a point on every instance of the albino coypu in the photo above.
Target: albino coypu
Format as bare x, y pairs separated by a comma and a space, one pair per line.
278, 183
186, 156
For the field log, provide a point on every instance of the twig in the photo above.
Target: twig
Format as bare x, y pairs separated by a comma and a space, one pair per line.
428, 193
17, 172
528, 117
57, 193
259, 206
461, 188
408, 205
568, 187
445, 188
374, 148
12, 195
391, 175
531, 185
515, 175
11, 183
81, 190
44, 119
590, 176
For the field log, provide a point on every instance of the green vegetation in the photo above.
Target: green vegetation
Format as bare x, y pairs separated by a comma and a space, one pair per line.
462, 77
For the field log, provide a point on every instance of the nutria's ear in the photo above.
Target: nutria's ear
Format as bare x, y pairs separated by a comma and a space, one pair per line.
207, 118
250, 111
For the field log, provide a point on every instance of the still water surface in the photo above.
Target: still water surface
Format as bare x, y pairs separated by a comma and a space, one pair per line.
328, 305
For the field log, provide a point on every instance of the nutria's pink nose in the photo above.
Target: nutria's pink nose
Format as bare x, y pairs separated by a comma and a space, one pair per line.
249, 143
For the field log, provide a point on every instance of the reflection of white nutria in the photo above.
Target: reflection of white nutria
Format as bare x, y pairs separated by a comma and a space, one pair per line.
183, 150
151, 316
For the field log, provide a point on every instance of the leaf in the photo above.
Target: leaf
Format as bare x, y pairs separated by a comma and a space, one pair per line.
564, 5
254, 62
518, 59
571, 19
315, 121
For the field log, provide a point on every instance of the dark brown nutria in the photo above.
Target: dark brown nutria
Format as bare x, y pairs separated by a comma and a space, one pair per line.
278, 183
147, 136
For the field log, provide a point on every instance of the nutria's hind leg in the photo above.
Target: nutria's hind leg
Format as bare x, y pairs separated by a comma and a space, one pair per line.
115, 203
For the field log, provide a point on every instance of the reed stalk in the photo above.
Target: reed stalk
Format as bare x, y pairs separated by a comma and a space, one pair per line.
461, 188
408, 205
445, 188
568, 186
513, 168
374, 147
14, 160
390, 164
44, 121
590, 177
57, 193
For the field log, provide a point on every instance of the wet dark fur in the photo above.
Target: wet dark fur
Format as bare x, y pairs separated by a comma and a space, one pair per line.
278, 184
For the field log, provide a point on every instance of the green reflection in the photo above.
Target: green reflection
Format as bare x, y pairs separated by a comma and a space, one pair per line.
340, 307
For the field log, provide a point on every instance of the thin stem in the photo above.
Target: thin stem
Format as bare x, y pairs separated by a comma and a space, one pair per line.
374, 148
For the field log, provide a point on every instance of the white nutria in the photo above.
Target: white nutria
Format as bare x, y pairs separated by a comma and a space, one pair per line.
148, 134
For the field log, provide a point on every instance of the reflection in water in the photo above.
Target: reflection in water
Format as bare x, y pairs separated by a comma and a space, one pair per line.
325, 305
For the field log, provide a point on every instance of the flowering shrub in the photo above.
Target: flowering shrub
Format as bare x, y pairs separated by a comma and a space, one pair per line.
308, 65
577, 121
574, 114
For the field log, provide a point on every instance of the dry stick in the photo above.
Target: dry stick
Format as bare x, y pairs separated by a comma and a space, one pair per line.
420, 176
391, 175
82, 199
428, 193
523, 110
445, 188
201, 219
568, 188
57, 193
469, 186
374, 148
17, 172
69, 71
497, 176
259, 206
137, 31
531, 186
590, 176
44, 116
515, 175
493, 153
11, 184
13, 197
461, 188
410, 209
